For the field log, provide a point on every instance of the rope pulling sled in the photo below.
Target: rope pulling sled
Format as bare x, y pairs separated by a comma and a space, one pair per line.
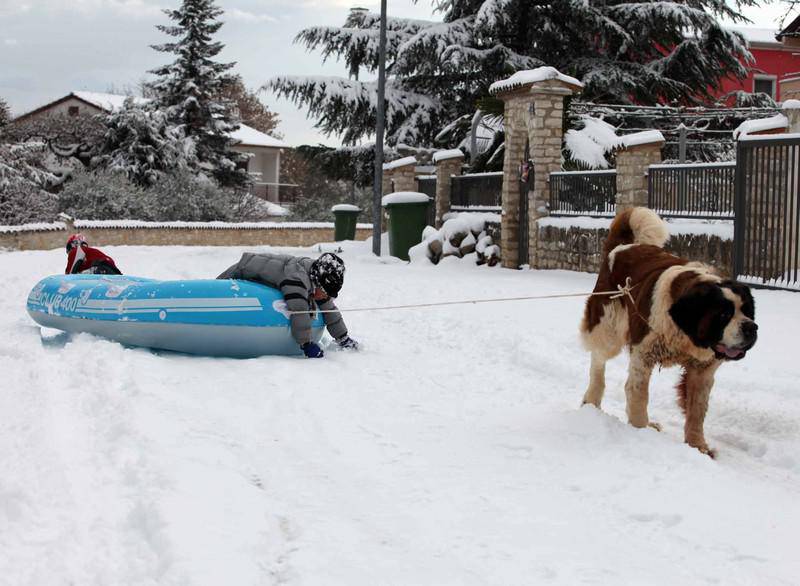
621, 291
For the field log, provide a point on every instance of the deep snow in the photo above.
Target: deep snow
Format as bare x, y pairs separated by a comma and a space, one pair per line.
450, 450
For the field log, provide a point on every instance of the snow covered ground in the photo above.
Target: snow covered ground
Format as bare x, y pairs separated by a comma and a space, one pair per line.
450, 450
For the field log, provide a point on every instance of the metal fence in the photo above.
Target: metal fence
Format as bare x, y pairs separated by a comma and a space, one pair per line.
698, 190
479, 191
583, 192
427, 184
767, 222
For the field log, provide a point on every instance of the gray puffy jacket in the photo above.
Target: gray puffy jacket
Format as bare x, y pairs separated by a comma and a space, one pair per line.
289, 274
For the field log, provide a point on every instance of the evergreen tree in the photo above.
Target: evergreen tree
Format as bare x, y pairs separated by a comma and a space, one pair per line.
187, 90
647, 52
142, 143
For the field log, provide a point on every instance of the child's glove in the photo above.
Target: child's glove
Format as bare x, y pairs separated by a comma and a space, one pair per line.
347, 343
311, 350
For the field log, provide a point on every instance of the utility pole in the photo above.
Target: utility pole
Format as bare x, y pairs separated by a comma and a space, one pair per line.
376, 186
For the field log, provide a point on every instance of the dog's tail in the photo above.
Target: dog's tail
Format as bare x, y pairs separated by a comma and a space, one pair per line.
637, 226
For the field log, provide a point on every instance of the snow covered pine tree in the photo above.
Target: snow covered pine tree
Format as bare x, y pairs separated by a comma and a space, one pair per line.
142, 143
646, 52
187, 88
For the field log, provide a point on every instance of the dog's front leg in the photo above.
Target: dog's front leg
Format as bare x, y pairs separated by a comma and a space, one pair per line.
597, 381
698, 383
637, 390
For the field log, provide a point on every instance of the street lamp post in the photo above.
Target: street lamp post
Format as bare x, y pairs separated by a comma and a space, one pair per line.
376, 186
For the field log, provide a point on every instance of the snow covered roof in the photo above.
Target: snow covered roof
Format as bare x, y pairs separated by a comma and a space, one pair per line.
792, 29
763, 36
400, 163
521, 78
107, 102
247, 136
777, 122
448, 154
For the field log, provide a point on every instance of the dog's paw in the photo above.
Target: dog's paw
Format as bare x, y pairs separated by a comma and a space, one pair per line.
703, 448
654, 425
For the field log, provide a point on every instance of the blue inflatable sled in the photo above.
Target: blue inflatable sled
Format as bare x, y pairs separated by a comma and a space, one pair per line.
209, 317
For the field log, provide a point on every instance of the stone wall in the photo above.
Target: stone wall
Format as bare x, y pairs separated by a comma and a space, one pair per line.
55, 236
579, 248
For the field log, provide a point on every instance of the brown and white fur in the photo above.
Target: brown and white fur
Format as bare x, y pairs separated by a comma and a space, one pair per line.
683, 313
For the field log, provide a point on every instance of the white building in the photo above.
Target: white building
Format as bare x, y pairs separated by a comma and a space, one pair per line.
264, 164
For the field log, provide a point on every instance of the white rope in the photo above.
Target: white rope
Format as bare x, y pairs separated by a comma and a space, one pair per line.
621, 291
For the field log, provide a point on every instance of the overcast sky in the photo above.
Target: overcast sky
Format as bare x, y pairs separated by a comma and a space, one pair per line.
49, 48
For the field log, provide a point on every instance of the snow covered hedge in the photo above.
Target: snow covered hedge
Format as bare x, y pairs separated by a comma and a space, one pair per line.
108, 195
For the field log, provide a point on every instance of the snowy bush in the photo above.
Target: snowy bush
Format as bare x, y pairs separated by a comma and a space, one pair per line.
24, 181
5, 113
26, 204
103, 195
110, 195
183, 196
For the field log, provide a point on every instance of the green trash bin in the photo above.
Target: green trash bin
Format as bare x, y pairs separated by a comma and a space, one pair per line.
345, 219
408, 216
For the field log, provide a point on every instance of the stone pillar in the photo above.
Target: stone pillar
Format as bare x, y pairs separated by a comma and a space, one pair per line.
399, 175
638, 152
791, 110
545, 137
534, 105
448, 163
790, 87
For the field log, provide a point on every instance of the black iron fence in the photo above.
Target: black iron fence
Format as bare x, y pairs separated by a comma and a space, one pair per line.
583, 192
427, 184
697, 190
767, 222
479, 191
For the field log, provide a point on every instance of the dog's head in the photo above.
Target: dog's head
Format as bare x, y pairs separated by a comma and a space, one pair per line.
717, 316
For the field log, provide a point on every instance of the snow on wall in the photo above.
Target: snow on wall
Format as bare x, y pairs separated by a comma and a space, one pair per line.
521, 78
132, 224
791, 104
676, 226
448, 154
36, 227
640, 138
400, 163
776, 122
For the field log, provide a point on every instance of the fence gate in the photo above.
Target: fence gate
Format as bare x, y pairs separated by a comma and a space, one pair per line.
525, 181
767, 222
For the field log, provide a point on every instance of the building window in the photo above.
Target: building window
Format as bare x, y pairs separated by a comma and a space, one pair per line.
764, 85
73, 111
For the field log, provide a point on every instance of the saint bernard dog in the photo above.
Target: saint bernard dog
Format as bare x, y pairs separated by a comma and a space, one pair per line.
678, 313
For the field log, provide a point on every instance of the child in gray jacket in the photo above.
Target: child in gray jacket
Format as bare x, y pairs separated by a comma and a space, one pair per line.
303, 282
